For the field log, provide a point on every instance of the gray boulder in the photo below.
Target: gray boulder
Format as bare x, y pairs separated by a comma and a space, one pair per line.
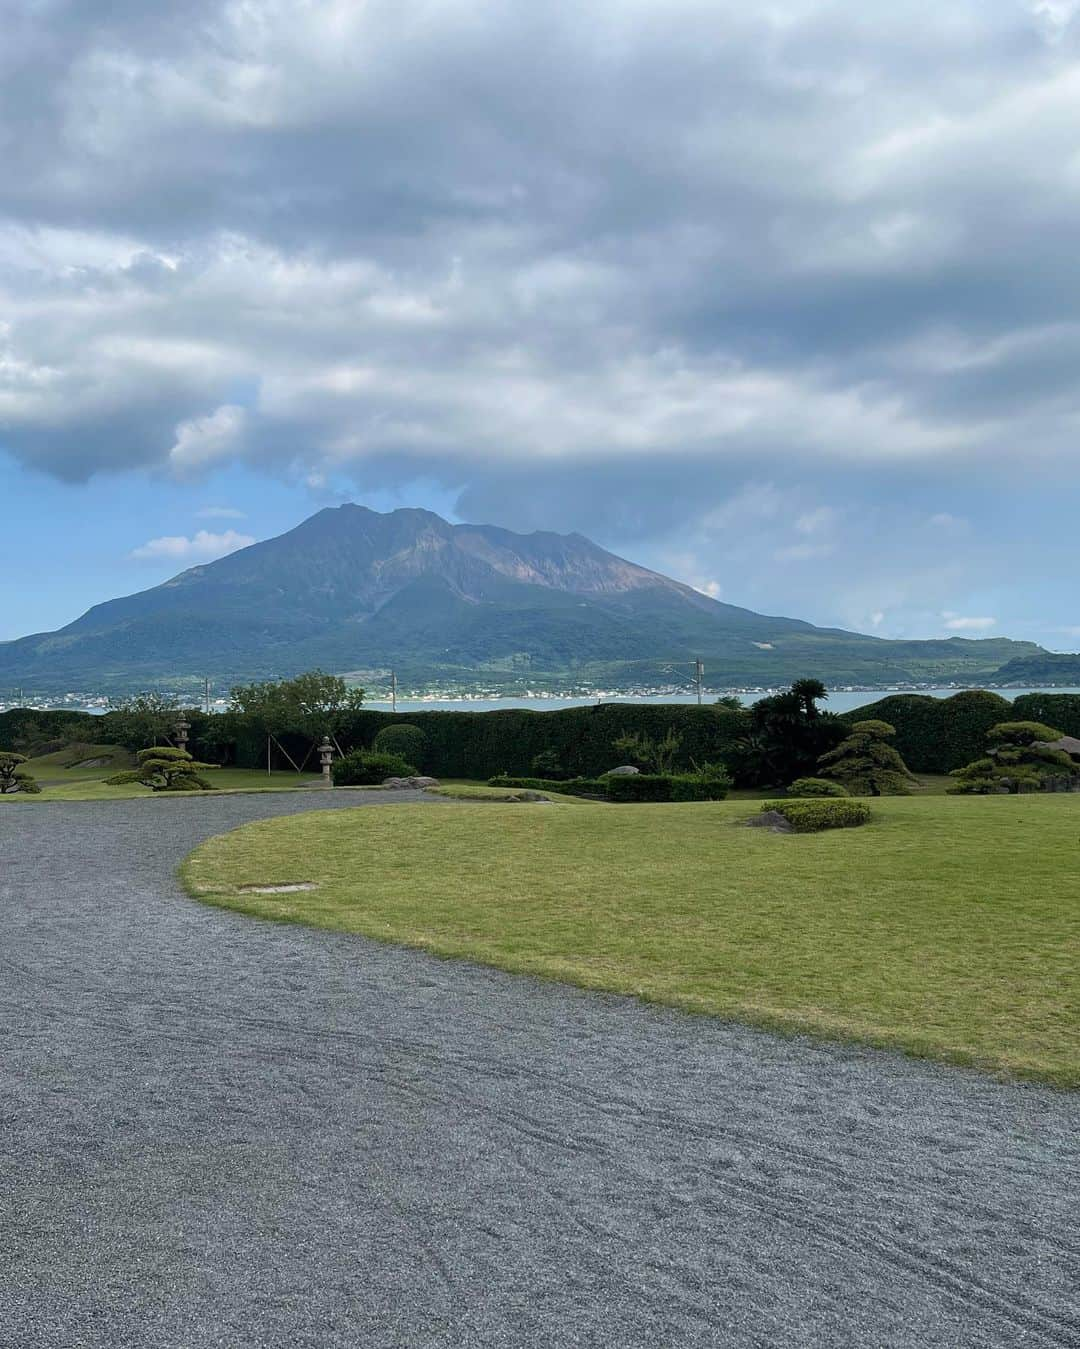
625, 771
410, 784
770, 819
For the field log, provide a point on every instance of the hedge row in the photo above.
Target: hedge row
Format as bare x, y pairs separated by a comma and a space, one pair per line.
933, 735
480, 745
631, 787
936, 735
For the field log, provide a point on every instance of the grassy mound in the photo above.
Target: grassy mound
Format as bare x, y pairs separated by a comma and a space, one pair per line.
949, 927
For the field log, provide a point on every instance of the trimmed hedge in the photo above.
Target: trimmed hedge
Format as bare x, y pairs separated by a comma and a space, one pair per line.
26, 729
816, 787
570, 787
936, 735
640, 787
364, 768
481, 745
808, 816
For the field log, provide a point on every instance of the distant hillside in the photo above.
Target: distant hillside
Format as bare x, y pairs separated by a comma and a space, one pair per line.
352, 590
1042, 668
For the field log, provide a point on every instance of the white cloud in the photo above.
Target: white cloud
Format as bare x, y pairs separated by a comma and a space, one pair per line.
221, 513
1053, 17
877, 618
962, 623
205, 440
203, 547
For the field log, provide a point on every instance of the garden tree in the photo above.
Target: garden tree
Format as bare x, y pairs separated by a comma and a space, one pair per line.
143, 719
402, 739
730, 703
547, 764
314, 704
165, 770
14, 777
1021, 758
808, 693
786, 736
655, 756
866, 764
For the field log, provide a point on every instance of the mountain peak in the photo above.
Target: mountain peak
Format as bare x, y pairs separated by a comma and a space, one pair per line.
351, 588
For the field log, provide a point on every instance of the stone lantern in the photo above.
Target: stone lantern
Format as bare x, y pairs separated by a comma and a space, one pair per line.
182, 728
326, 754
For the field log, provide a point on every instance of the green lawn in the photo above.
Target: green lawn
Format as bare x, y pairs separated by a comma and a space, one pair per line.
61, 783
949, 928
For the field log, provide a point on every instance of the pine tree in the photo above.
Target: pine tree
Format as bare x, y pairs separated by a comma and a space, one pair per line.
1020, 759
866, 764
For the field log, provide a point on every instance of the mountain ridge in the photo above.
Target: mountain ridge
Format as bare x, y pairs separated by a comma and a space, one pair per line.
350, 588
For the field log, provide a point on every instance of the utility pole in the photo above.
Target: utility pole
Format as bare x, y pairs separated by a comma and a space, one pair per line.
207, 694
699, 674
393, 691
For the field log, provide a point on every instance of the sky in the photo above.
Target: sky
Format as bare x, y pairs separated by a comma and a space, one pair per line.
782, 299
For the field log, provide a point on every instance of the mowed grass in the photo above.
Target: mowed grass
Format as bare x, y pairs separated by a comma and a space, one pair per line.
59, 783
949, 928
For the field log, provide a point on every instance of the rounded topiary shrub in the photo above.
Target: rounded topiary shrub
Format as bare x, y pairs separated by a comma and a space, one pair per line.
404, 740
366, 768
816, 787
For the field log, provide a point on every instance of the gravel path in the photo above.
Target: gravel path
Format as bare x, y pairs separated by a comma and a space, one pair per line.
221, 1132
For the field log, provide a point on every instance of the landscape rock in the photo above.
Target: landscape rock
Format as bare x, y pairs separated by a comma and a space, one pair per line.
414, 783
622, 772
770, 819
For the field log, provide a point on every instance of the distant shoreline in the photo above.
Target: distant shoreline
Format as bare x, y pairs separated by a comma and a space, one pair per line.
840, 699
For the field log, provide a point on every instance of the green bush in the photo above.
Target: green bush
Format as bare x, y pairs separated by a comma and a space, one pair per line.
640, 787
1021, 758
547, 764
816, 787
570, 786
403, 739
365, 768
808, 817
699, 787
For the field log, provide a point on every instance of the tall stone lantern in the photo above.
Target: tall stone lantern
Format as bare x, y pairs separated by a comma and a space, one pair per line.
182, 728
326, 754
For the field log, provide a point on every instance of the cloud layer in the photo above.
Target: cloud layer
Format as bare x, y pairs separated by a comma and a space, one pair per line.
605, 266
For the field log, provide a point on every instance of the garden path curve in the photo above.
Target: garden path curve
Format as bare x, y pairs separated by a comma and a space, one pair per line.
221, 1132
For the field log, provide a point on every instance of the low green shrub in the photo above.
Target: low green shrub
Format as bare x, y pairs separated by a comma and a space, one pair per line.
548, 765
570, 787
807, 817
402, 739
816, 787
641, 787
366, 768
706, 785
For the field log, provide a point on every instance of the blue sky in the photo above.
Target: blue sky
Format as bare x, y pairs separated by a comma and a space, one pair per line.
781, 300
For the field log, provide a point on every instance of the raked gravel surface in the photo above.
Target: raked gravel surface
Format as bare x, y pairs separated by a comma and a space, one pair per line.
216, 1131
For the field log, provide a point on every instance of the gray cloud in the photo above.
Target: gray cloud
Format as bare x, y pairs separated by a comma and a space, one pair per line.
591, 266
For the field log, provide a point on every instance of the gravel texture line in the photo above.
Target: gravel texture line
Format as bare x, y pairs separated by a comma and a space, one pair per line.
216, 1131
